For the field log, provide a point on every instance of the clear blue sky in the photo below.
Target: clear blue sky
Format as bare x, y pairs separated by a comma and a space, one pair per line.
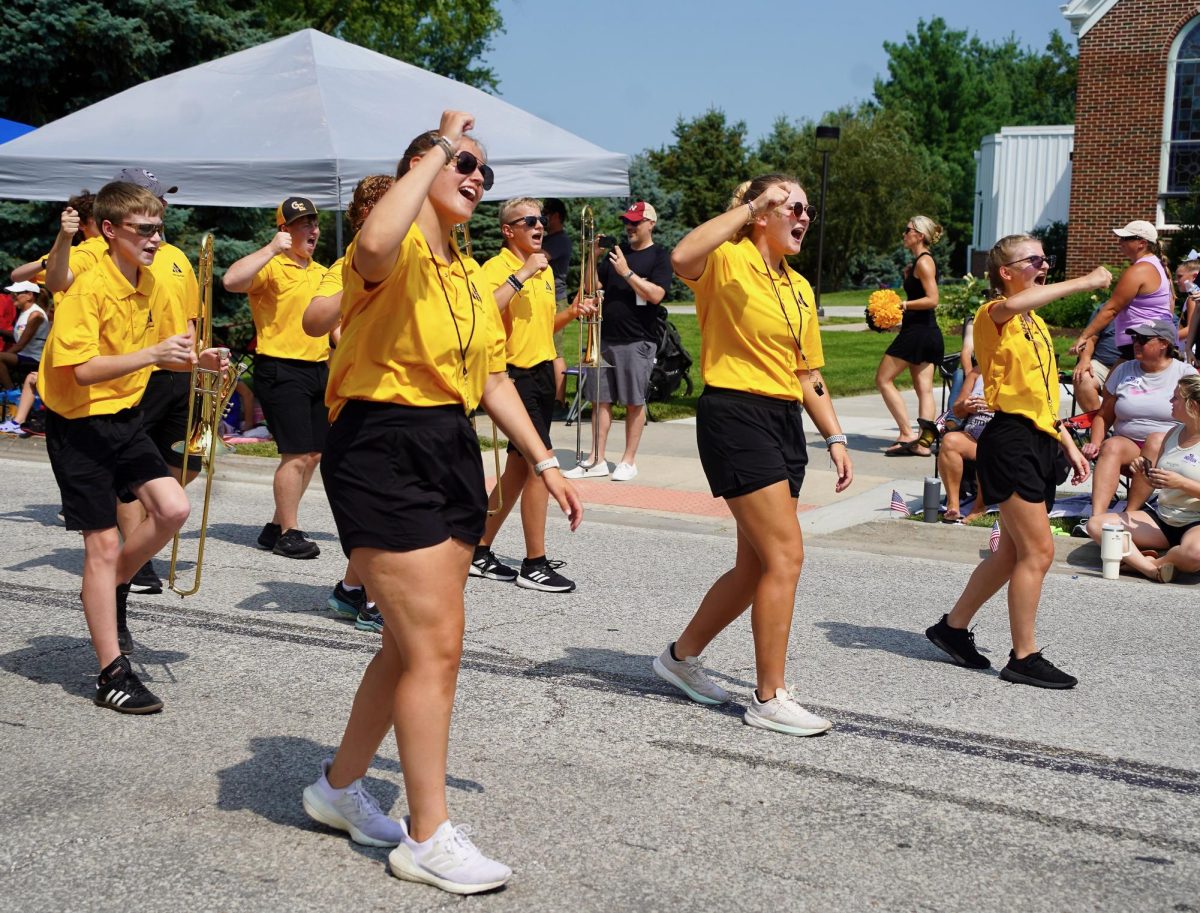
621, 73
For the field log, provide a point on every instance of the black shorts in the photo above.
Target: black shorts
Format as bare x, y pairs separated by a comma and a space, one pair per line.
536, 388
98, 459
747, 442
292, 395
403, 477
164, 409
1173, 534
1015, 457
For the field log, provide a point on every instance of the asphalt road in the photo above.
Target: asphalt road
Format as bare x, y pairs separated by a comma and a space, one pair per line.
937, 789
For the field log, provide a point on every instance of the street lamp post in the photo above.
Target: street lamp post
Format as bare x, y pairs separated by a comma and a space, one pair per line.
827, 140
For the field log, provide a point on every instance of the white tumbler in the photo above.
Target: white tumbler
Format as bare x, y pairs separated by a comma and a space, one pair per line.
1115, 544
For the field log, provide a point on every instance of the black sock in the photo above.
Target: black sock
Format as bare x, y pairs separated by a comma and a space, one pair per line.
481, 550
530, 562
758, 697
672, 649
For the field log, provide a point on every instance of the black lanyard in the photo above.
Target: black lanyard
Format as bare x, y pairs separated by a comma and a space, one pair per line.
472, 294
818, 387
1028, 326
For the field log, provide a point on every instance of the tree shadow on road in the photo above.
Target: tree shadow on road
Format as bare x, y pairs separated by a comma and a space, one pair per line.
56, 659
910, 644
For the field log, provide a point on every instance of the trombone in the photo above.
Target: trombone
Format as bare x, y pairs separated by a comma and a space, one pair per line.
208, 401
462, 239
589, 328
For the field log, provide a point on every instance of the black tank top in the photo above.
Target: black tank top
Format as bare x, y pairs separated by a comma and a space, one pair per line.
913, 289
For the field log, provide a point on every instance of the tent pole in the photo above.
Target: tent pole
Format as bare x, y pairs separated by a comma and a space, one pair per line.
338, 215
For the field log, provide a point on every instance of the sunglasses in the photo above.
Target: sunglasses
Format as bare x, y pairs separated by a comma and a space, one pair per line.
1142, 340
801, 209
145, 229
907, 229
466, 163
1035, 261
528, 221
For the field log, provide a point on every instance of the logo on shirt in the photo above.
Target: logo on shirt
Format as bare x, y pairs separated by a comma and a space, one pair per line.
176, 270
1189, 458
475, 296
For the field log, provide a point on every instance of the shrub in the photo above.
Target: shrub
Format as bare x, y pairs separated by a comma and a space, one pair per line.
959, 300
1073, 311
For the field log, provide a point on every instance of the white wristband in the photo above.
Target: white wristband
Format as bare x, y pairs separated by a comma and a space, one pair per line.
835, 439
549, 463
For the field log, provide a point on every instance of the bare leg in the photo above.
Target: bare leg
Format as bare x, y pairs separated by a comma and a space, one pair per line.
922, 378
166, 510
1116, 452
769, 532
100, 550
635, 424
25, 405
600, 445
1140, 488
956, 447
1144, 532
885, 376
511, 484
292, 476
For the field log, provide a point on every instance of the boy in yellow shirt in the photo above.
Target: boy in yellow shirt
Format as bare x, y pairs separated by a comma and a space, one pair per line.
110, 333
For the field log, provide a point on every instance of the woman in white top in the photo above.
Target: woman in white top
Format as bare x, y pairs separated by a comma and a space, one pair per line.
1137, 408
1171, 520
29, 332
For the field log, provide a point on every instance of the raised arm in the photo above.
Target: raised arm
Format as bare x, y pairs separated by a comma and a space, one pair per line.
690, 254
1037, 296
240, 276
384, 230
58, 262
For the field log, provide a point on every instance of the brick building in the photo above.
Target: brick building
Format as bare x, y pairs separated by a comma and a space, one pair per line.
1137, 119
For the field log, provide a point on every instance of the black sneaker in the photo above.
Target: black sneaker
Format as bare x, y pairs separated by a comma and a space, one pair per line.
369, 619
958, 644
293, 544
146, 580
124, 638
486, 564
118, 688
269, 535
1036, 670
541, 574
347, 602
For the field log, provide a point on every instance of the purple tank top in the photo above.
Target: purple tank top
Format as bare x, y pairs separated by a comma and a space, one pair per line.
1157, 305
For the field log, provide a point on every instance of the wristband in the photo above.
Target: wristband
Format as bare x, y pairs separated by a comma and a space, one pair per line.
548, 463
752, 213
446, 147
835, 439
516, 283
627, 275
44, 261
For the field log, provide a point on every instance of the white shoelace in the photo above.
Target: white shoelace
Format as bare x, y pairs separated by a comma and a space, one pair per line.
363, 800
459, 844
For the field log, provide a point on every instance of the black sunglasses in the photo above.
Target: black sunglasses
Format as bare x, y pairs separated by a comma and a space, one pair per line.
799, 209
528, 221
1142, 340
1035, 261
466, 163
145, 229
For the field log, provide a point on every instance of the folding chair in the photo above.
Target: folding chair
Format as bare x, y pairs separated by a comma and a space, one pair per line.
947, 368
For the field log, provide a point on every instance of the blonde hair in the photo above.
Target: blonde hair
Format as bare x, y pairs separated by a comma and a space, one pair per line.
508, 207
1001, 255
929, 229
1189, 388
748, 191
367, 193
118, 200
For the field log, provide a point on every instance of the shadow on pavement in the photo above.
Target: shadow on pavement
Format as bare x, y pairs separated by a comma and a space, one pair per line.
287, 596
245, 534
69, 662
45, 514
911, 644
68, 558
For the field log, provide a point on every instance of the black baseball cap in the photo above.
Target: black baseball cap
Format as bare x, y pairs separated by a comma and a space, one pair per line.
294, 208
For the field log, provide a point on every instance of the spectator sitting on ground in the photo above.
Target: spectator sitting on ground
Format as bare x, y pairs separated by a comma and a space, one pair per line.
958, 446
1172, 519
15, 425
1185, 283
1137, 407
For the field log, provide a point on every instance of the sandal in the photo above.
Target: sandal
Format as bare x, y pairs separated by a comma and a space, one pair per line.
897, 447
908, 448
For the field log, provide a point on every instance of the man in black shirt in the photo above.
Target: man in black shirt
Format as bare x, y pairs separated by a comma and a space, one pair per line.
635, 277
557, 245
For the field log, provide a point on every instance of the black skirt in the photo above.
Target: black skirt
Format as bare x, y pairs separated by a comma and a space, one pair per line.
918, 344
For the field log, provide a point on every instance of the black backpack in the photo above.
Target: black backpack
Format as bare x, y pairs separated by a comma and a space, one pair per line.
671, 362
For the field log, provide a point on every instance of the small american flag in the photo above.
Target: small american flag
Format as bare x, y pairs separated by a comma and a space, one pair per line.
899, 506
994, 538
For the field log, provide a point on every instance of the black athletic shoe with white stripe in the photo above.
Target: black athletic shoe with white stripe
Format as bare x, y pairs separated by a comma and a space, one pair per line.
119, 689
124, 638
486, 564
542, 574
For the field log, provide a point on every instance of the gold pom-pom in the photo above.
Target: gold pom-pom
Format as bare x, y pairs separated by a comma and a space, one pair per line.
883, 310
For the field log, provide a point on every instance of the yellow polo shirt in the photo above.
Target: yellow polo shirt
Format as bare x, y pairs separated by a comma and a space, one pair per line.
83, 256
101, 314
402, 339
1020, 373
745, 340
529, 317
279, 295
331, 282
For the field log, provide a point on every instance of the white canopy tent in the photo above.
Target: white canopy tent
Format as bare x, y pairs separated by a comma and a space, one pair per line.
306, 114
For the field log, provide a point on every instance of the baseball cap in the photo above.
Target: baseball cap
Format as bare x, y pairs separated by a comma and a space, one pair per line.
144, 178
293, 208
24, 287
1138, 229
638, 211
1164, 329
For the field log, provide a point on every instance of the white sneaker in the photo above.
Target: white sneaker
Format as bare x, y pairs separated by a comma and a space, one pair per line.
588, 471
448, 860
688, 676
624, 472
10, 427
353, 810
782, 714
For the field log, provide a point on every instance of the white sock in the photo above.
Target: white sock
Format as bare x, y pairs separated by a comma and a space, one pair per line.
350, 589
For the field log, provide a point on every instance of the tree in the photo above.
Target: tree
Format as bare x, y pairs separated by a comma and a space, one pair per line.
956, 89
705, 163
879, 177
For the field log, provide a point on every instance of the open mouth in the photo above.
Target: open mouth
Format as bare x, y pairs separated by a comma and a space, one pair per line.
798, 232
469, 191
1039, 279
